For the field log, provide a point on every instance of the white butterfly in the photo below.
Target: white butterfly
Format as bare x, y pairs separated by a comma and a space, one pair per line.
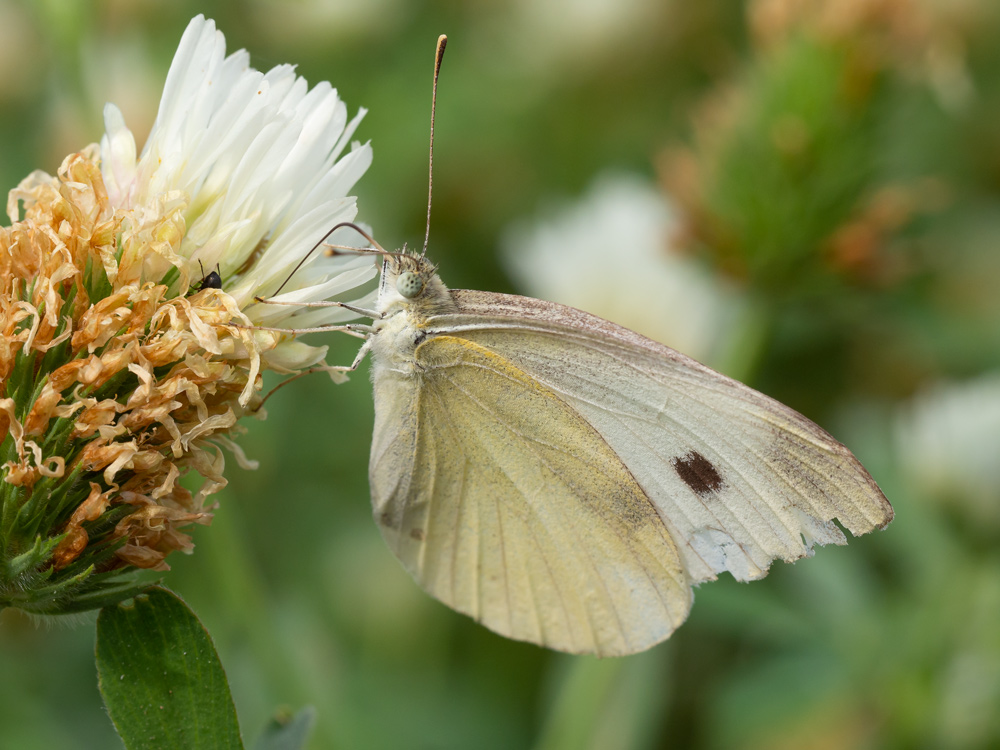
566, 481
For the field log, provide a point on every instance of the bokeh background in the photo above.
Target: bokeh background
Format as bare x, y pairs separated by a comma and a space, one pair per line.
804, 194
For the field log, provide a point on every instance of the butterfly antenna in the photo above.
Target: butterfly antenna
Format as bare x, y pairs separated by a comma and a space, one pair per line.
305, 257
438, 56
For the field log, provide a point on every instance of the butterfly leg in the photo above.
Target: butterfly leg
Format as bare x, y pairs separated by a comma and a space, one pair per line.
373, 314
343, 369
334, 371
358, 330
362, 353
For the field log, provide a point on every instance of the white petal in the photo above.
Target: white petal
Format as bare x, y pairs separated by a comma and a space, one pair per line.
117, 155
259, 159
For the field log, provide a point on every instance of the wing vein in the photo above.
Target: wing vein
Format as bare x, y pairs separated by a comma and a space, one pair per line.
555, 473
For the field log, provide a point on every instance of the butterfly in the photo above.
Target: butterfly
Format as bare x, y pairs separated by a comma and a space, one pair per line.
566, 481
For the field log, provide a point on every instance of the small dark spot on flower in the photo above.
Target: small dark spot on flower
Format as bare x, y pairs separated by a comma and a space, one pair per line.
698, 473
212, 281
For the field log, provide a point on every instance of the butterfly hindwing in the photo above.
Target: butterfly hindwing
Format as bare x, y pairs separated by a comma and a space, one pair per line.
504, 503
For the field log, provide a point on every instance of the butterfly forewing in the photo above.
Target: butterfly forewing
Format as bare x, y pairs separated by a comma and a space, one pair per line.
504, 503
738, 478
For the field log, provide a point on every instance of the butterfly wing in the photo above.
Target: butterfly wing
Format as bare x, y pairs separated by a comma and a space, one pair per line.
738, 478
505, 504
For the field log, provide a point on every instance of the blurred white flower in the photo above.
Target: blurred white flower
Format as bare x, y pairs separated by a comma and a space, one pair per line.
329, 21
609, 254
566, 37
255, 165
948, 441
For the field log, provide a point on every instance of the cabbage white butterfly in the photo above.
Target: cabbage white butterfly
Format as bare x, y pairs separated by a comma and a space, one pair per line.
566, 481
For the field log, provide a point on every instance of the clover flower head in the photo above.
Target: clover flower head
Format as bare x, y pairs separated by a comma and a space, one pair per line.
121, 371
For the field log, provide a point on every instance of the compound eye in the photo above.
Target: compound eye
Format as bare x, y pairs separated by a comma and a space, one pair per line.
409, 284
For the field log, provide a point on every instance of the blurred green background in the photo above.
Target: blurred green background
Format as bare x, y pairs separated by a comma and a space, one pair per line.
834, 167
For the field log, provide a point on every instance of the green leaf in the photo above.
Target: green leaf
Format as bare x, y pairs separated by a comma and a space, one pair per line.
287, 732
161, 679
34, 557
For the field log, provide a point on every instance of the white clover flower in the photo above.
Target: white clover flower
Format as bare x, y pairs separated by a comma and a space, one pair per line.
609, 254
571, 37
255, 164
948, 441
121, 371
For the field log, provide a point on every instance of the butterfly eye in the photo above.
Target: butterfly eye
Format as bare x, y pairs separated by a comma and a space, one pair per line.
409, 284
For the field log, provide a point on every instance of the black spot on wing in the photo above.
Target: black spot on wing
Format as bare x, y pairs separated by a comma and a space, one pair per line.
698, 473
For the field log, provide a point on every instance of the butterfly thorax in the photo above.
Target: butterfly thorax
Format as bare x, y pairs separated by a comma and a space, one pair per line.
410, 292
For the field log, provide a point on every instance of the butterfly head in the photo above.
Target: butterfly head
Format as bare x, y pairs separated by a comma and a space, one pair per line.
410, 283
